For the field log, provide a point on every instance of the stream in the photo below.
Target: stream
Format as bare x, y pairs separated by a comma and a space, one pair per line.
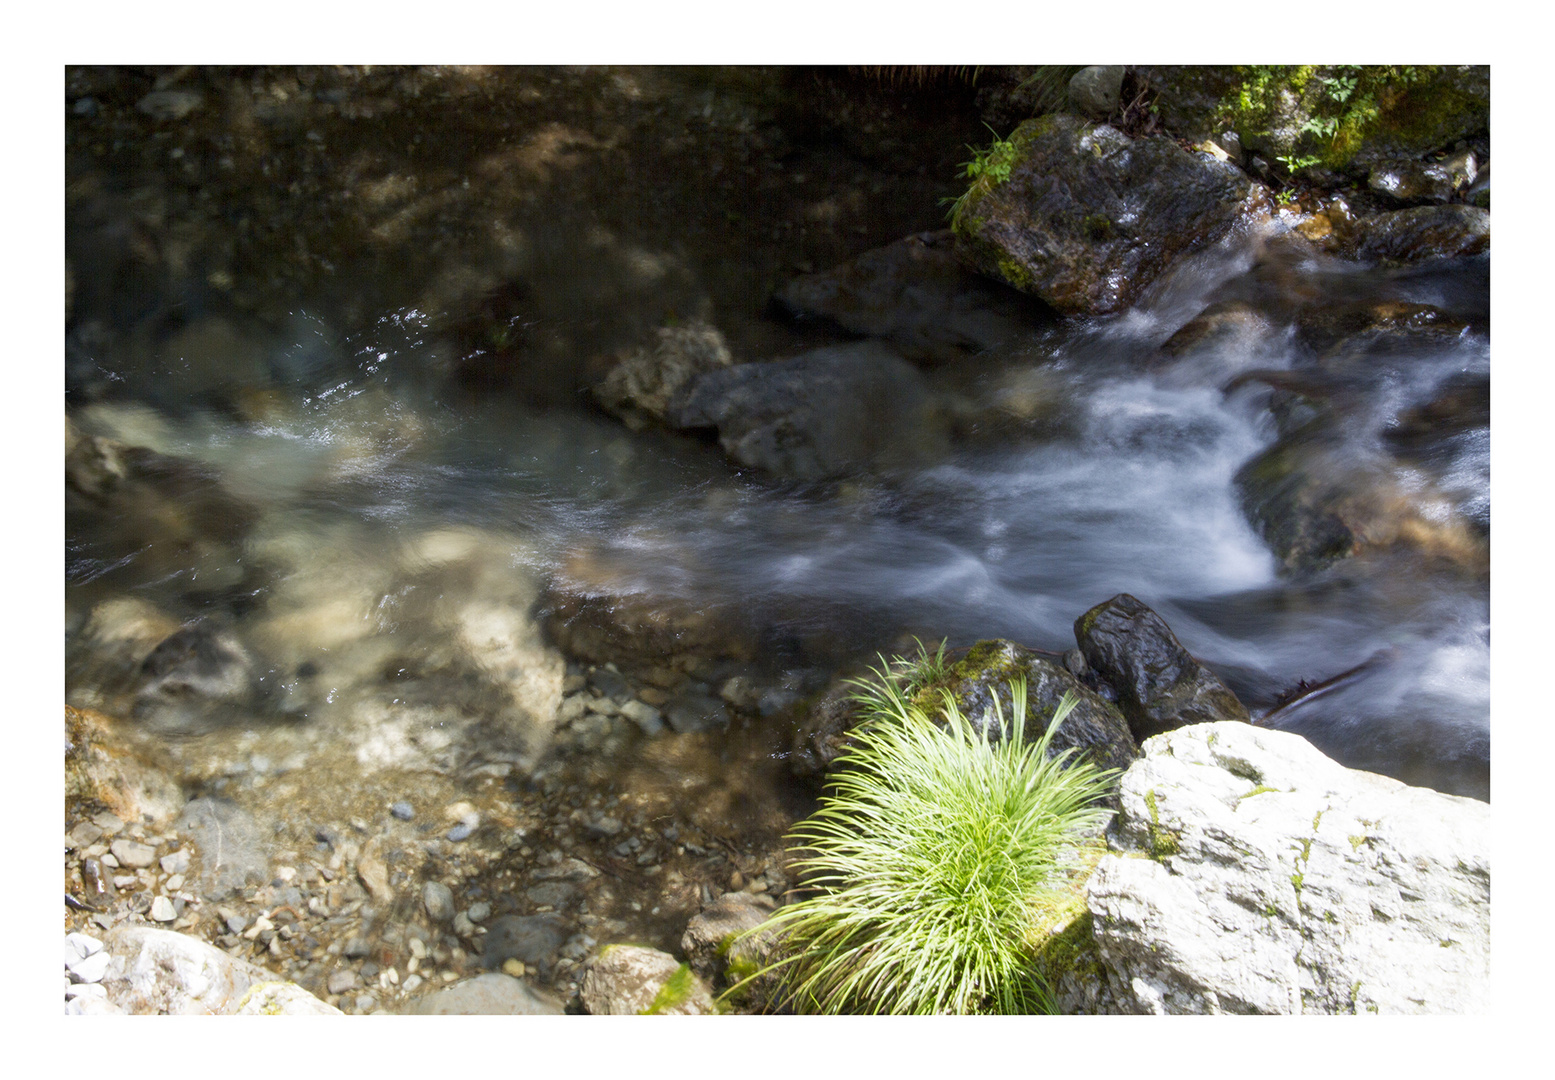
380, 536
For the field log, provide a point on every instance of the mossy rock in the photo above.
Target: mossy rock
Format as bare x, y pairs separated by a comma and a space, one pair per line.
1085, 217
1095, 729
1348, 118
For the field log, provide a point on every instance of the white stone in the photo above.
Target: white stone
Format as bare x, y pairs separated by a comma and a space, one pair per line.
133, 855
162, 910
79, 946
90, 969
1281, 882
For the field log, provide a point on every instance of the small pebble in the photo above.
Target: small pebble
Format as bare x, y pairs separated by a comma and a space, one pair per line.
461, 831
403, 810
176, 863
90, 969
514, 967
162, 910
412, 983
439, 901
341, 981
479, 912
132, 854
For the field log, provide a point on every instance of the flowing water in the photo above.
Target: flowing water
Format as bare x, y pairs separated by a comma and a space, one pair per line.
384, 543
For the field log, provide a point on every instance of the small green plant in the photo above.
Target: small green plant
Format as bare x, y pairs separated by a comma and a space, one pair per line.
994, 162
933, 861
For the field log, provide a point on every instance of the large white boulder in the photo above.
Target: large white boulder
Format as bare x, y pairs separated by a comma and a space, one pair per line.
1251, 874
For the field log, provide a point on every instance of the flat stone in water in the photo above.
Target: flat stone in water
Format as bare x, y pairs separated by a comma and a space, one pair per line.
529, 938
402, 810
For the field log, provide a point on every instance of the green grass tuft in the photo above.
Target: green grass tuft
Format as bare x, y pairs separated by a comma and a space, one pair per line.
933, 859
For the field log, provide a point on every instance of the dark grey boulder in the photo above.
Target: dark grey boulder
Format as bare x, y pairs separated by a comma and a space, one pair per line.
1089, 217
1097, 91
1160, 686
917, 295
819, 415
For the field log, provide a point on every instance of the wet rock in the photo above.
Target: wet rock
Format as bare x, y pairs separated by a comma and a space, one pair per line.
93, 465
1424, 181
1096, 91
822, 735
531, 939
640, 385
229, 843
1316, 496
1417, 234
1279, 882
102, 769
1221, 325
627, 980
915, 294
596, 609
489, 994
165, 972
821, 414
1460, 405
1088, 217
710, 941
1159, 685
1389, 323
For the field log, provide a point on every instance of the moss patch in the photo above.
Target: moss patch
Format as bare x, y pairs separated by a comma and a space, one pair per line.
1163, 841
676, 989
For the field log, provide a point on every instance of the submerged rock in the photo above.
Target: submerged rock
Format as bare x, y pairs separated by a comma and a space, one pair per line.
1159, 685
196, 669
489, 994
1316, 497
627, 980
640, 385
917, 295
819, 415
1088, 217
1278, 881
230, 846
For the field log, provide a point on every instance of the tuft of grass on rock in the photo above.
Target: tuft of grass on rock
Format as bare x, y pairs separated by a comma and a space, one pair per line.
933, 858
